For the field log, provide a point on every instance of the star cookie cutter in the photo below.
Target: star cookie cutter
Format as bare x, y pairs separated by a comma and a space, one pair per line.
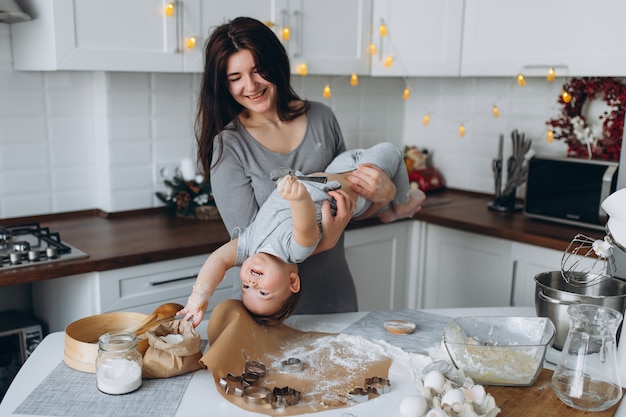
256, 395
292, 365
283, 397
233, 384
377, 385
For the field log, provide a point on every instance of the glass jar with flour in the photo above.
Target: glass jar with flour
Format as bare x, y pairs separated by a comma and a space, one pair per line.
118, 365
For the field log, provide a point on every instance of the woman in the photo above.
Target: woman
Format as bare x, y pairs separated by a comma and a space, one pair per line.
249, 122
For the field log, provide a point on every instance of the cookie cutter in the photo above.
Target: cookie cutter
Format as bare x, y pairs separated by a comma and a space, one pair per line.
256, 368
377, 385
359, 394
283, 397
257, 395
233, 384
292, 365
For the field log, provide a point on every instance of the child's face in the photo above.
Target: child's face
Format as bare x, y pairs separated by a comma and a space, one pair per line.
266, 283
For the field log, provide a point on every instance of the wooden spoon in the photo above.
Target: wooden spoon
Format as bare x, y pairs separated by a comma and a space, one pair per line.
162, 313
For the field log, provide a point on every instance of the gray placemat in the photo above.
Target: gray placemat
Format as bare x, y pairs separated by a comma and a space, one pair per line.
427, 336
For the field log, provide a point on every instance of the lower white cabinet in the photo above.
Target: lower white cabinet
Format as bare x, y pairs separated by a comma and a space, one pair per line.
529, 261
142, 288
464, 269
377, 257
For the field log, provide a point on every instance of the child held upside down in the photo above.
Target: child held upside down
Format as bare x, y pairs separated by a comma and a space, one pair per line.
287, 230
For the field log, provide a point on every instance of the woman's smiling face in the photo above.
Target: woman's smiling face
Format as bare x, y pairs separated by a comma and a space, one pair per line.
247, 86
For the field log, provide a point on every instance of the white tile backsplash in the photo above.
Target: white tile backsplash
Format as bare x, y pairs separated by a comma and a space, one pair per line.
81, 140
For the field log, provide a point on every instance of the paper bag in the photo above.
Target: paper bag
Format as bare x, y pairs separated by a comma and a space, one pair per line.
163, 359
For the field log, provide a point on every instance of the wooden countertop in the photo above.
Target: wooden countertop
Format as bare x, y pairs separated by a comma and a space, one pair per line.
126, 239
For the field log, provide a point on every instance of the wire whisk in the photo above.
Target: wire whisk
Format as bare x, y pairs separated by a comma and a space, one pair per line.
587, 260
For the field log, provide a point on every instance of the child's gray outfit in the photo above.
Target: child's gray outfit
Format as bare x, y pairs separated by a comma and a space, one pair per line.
272, 229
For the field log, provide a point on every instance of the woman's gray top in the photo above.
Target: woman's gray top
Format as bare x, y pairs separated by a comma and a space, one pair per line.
241, 183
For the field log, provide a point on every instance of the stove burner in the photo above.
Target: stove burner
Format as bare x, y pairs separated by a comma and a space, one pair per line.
28, 244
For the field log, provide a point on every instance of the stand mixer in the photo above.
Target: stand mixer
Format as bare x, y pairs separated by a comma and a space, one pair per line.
587, 260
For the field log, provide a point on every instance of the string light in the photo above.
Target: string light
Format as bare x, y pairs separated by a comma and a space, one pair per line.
382, 29
496, 111
388, 62
550, 136
373, 50
461, 130
426, 120
303, 70
286, 33
191, 42
354, 80
567, 97
326, 93
169, 9
406, 93
521, 81
551, 75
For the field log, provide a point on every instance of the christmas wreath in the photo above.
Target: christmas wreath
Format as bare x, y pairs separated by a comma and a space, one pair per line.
603, 141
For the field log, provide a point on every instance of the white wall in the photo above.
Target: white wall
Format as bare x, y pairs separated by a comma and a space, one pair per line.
80, 140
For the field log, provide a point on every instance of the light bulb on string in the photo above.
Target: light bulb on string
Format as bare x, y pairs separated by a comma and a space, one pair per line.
521, 81
303, 70
566, 96
426, 120
388, 61
354, 80
169, 9
191, 42
550, 136
406, 93
286, 33
382, 29
496, 111
462, 130
326, 92
551, 75
373, 50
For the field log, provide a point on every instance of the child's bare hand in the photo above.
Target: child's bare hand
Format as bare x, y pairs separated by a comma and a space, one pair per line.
291, 189
195, 308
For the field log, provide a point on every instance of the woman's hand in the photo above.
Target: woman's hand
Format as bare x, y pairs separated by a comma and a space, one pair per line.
333, 226
373, 184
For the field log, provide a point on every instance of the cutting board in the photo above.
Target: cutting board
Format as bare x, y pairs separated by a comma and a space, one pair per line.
538, 400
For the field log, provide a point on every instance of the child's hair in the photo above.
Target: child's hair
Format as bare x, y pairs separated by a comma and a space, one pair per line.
281, 315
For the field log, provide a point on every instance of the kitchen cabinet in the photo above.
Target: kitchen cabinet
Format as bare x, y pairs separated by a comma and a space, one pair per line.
529, 261
576, 37
377, 257
140, 36
139, 288
464, 269
423, 37
115, 35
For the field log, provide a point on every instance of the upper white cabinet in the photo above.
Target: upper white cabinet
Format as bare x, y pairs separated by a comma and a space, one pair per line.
328, 36
423, 37
114, 35
577, 37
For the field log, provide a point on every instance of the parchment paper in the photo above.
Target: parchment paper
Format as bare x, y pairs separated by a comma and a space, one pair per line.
334, 364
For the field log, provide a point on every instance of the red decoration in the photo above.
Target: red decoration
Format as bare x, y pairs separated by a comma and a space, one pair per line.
609, 145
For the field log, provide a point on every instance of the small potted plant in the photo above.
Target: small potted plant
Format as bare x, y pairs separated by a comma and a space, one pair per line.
189, 195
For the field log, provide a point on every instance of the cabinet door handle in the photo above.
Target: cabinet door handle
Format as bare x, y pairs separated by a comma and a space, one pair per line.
513, 279
169, 281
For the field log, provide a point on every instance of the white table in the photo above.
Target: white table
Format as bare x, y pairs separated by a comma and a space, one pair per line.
202, 390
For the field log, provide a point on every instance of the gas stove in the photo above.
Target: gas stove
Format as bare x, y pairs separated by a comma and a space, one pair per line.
30, 244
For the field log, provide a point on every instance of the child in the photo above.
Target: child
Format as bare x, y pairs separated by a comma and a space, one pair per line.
286, 231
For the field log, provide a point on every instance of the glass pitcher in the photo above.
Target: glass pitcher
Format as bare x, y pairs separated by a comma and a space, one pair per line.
586, 377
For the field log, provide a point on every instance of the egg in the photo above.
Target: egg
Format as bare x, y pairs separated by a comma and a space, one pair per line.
454, 398
436, 412
475, 394
413, 406
434, 380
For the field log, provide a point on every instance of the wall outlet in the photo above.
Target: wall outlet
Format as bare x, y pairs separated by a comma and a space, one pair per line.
165, 171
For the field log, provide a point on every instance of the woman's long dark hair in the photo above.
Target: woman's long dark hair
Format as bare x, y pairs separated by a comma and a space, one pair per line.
216, 107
